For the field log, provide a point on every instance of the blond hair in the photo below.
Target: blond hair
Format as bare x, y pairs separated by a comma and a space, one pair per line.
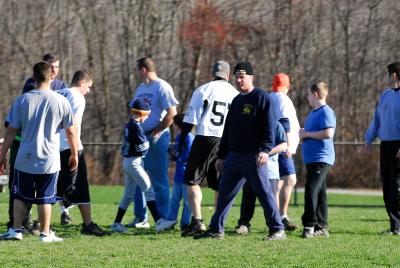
321, 88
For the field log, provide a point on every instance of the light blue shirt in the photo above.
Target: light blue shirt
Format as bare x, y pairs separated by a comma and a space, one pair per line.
41, 114
386, 122
315, 150
160, 96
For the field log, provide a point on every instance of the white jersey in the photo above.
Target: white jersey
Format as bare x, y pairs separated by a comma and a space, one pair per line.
209, 107
283, 108
78, 103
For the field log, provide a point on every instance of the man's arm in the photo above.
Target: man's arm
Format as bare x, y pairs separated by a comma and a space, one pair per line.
72, 137
319, 135
8, 140
166, 122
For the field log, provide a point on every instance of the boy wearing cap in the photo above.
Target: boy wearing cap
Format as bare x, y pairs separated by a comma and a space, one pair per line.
134, 146
246, 143
285, 113
207, 110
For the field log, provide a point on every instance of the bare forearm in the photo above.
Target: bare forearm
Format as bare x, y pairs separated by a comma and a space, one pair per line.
72, 137
167, 121
319, 135
278, 149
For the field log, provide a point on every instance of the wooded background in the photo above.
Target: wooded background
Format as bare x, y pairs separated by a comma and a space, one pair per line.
346, 43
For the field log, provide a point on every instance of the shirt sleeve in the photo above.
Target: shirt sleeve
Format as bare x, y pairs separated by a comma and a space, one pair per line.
68, 116
195, 109
327, 119
269, 125
13, 118
372, 132
167, 97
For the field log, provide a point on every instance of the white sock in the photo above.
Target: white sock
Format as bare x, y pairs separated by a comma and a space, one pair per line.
64, 210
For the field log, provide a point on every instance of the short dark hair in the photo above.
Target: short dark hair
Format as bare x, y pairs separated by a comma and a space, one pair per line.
394, 68
50, 58
41, 72
81, 75
178, 120
146, 63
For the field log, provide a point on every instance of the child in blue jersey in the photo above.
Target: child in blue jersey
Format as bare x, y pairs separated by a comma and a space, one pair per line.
178, 152
318, 156
134, 146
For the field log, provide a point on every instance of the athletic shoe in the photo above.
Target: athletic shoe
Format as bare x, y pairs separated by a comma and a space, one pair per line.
118, 228
308, 232
184, 230
209, 234
164, 225
196, 227
390, 232
93, 229
65, 219
276, 235
50, 238
143, 224
289, 226
242, 230
12, 234
322, 232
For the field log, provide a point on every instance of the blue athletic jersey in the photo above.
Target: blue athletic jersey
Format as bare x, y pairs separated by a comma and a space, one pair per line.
315, 150
134, 142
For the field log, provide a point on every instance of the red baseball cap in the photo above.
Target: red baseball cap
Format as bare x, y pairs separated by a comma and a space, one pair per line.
280, 82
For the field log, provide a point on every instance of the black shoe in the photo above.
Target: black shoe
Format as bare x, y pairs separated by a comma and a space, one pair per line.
93, 229
209, 234
195, 227
321, 231
289, 226
276, 235
65, 219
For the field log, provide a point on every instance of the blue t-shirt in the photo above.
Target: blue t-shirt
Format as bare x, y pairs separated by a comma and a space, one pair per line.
134, 142
314, 150
182, 156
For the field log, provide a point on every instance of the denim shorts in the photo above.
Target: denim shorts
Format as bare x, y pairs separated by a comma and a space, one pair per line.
286, 166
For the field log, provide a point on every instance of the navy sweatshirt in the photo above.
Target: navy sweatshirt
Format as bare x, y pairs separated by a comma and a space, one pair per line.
134, 142
250, 124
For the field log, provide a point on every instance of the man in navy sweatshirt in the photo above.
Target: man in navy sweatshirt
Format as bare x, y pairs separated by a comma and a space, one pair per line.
248, 137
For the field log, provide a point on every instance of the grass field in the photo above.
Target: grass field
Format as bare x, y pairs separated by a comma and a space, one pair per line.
354, 241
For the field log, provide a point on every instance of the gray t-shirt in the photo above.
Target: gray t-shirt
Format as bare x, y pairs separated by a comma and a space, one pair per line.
41, 114
160, 96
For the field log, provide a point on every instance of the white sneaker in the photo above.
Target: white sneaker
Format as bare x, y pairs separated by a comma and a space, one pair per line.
143, 225
50, 238
164, 225
118, 228
12, 234
242, 230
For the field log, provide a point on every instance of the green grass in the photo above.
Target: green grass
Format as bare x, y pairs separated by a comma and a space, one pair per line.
354, 241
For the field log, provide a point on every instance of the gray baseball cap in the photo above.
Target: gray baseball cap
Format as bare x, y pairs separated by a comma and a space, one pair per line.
221, 69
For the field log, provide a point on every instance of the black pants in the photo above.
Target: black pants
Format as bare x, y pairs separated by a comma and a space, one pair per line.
390, 175
315, 201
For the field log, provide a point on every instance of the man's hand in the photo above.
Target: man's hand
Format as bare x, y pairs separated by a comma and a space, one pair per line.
262, 159
398, 153
367, 148
73, 162
219, 165
302, 134
288, 154
3, 163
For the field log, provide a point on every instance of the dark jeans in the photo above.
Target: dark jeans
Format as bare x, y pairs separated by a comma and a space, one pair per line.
239, 168
390, 175
315, 201
248, 204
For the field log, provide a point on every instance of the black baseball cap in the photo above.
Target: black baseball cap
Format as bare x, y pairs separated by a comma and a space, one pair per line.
243, 67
